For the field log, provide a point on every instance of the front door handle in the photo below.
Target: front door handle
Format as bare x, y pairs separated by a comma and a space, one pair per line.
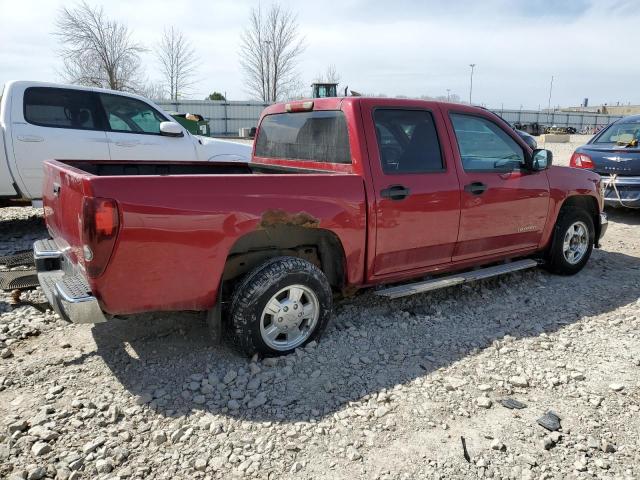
30, 138
475, 188
133, 143
395, 192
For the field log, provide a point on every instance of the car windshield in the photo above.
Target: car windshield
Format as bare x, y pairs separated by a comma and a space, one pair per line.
622, 133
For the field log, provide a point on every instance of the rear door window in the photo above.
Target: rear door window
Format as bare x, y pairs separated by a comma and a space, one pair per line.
407, 141
61, 108
319, 136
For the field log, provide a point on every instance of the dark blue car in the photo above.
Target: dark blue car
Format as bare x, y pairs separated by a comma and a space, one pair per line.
614, 153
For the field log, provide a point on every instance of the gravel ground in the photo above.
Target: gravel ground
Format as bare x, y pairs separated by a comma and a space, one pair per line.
386, 394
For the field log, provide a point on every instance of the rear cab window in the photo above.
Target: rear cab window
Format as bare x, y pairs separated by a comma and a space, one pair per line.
317, 137
61, 108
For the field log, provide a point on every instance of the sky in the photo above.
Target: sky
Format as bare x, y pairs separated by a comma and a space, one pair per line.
390, 47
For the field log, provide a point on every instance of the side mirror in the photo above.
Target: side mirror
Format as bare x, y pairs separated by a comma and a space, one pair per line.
540, 160
171, 129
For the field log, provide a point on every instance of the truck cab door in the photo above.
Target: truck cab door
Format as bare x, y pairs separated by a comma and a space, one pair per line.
417, 201
53, 123
504, 206
133, 131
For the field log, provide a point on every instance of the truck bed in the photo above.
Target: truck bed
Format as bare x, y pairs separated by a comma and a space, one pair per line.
111, 168
179, 222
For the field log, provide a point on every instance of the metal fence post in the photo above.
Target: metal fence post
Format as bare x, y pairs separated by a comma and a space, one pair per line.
226, 119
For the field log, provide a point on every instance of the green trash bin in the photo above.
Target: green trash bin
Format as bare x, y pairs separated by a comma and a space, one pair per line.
194, 123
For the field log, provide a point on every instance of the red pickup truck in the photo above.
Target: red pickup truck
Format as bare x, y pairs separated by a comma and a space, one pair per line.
342, 193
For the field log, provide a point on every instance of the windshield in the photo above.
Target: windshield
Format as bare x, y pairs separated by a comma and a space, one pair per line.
622, 133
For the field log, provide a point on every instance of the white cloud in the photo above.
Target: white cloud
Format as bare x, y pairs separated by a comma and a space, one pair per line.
397, 48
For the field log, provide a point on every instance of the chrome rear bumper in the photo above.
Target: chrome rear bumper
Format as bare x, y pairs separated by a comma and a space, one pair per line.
66, 290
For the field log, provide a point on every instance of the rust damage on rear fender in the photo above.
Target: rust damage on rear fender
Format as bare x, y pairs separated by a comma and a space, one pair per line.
278, 217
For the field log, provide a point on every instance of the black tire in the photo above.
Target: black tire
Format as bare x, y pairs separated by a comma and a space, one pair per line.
259, 286
557, 262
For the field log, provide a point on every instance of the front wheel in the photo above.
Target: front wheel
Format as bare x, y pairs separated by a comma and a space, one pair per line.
573, 241
281, 305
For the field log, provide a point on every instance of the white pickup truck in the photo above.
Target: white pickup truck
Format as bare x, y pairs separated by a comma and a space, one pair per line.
40, 121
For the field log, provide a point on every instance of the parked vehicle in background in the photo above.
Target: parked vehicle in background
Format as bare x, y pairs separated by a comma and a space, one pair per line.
520, 130
533, 128
530, 140
554, 129
40, 121
614, 153
341, 193
193, 122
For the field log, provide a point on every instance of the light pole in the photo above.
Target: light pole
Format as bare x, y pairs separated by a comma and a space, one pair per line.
472, 65
448, 96
549, 103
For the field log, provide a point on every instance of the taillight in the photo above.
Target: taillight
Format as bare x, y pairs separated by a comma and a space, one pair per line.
100, 222
581, 160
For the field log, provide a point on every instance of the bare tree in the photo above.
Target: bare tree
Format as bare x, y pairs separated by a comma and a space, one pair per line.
270, 49
329, 76
178, 61
154, 91
97, 51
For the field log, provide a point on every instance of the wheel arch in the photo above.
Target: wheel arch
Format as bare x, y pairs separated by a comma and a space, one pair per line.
319, 246
589, 204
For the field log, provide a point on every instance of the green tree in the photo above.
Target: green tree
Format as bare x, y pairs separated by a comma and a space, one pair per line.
216, 96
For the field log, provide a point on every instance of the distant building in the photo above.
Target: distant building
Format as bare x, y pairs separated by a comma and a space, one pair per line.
621, 110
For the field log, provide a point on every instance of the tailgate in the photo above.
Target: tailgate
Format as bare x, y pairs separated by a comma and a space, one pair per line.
62, 195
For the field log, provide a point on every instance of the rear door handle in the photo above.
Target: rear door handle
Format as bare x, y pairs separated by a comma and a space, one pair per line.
395, 192
475, 188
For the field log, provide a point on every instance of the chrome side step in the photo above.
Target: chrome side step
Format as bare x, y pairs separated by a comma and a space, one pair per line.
455, 279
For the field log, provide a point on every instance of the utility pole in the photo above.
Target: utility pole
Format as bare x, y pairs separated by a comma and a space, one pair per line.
472, 65
448, 96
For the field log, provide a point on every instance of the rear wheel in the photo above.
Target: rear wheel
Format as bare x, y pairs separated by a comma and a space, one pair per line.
281, 305
573, 240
